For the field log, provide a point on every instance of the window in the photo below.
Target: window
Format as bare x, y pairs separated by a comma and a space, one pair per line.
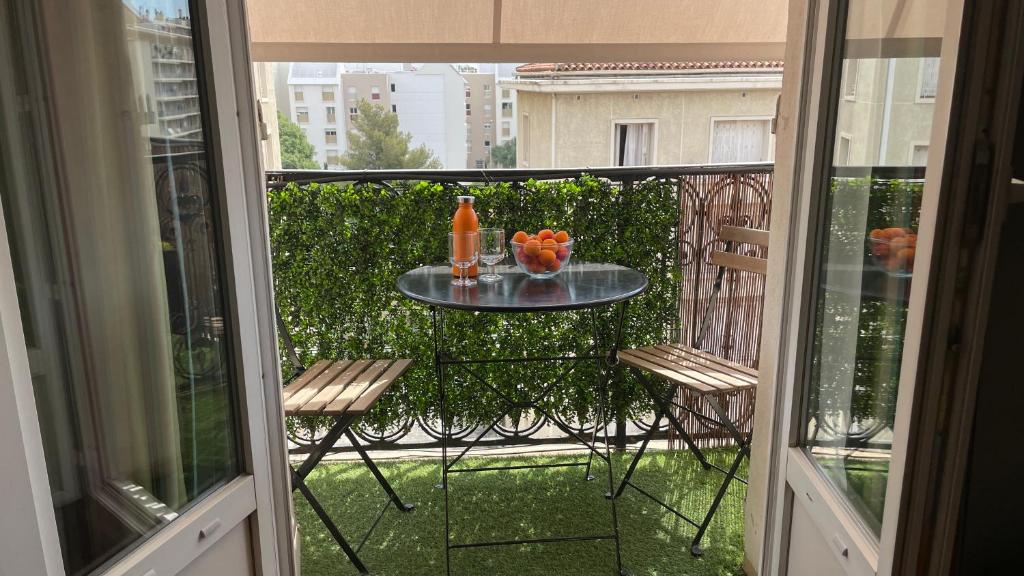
927, 79
127, 320
741, 140
331, 136
394, 108
506, 129
479, 163
487, 109
919, 155
302, 115
331, 115
328, 94
487, 143
392, 86
505, 94
850, 73
375, 93
299, 96
468, 112
351, 90
353, 110
506, 109
488, 125
843, 152
634, 143
468, 93
332, 157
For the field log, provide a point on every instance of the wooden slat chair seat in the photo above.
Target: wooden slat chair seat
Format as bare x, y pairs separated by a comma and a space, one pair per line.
698, 373
343, 390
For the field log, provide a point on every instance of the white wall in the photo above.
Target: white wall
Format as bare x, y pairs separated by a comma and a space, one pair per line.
431, 106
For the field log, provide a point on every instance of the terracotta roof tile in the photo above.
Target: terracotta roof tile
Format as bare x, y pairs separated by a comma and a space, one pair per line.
554, 68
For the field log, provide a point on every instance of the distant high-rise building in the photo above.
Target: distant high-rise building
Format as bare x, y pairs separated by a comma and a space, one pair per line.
314, 94
481, 118
430, 104
165, 64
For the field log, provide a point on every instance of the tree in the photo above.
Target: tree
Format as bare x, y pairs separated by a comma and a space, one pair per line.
504, 155
375, 143
296, 151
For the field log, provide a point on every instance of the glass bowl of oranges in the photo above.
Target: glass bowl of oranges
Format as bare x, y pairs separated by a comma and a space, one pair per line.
542, 255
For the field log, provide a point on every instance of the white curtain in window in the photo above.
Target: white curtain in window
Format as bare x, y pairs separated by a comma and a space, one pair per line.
736, 141
636, 146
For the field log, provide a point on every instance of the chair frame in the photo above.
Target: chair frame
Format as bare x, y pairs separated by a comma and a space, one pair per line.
664, 400
342, 426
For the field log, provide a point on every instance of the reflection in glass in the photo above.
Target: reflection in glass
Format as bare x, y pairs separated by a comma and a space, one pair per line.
118, 275
882, 124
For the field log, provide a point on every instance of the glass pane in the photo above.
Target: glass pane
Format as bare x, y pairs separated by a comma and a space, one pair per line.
882, 119
118, 269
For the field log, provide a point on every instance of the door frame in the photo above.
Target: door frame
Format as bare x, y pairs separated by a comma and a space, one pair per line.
260, 496
812, 39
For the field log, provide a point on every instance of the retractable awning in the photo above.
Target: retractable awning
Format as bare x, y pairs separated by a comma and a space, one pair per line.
516, 30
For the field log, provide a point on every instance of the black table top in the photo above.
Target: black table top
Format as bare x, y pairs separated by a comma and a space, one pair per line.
581, 285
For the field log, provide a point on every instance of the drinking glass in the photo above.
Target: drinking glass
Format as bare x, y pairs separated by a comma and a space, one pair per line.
492, 251
464, 252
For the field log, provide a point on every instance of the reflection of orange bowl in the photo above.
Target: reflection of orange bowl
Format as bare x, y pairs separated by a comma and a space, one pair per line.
895, 255
542, 260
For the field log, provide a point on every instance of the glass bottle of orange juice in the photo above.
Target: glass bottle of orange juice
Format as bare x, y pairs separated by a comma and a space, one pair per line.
465, 220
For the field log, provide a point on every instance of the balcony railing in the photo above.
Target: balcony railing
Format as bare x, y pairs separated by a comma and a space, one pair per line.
700, 199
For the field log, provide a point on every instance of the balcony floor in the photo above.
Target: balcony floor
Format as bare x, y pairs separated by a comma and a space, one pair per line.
525, 504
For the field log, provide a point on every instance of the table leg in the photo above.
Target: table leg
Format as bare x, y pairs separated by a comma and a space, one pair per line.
437, 320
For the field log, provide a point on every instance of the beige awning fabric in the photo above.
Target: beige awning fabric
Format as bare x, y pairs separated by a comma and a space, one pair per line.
516, 30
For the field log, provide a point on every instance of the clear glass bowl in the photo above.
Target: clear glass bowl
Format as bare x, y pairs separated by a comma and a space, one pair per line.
536, 265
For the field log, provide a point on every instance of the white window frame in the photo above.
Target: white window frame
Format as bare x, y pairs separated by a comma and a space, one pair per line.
625, 121
299, 110
259, 498
920, 84
914, 144
711, 136
849, 149
847, 66
325, 90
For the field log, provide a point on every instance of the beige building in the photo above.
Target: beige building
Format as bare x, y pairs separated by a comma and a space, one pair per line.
885, 111
645, 113
374, 87
481, 113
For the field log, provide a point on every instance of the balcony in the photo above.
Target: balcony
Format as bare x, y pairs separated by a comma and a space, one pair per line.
339, 241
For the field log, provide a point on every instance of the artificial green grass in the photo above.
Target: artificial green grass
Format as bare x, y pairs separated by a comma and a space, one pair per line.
525, 504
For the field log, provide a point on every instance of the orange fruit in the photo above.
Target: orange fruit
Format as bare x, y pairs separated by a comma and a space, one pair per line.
877, 234
537, 268
880, 250
898, 243
561, 236
545, 234
549, 244
895, 232
562, 253
532, 247
907, 255
546, 257
554, 266
520, 237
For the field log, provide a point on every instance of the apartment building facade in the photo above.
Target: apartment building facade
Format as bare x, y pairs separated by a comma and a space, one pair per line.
314, 94
481, 105
431, 105
645, 113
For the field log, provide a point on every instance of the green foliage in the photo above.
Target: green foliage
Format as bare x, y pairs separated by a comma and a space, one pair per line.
338, 250
504, 155
296, 151
375, 143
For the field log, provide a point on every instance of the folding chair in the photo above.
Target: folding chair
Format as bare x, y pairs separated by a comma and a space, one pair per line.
343, 390
699, 373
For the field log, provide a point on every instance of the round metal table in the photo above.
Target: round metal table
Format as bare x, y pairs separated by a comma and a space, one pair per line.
582, 286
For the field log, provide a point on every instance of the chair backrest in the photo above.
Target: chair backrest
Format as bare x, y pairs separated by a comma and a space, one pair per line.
727, 259
734, 236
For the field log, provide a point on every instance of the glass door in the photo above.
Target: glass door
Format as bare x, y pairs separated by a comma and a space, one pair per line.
115, 216
873, 132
